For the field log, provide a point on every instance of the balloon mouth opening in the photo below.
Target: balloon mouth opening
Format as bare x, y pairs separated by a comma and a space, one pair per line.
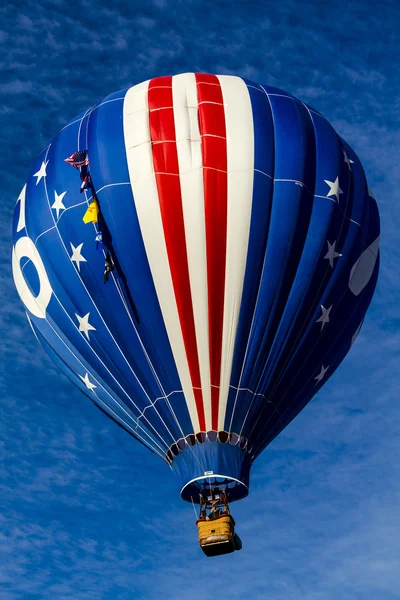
207, 484
203, 437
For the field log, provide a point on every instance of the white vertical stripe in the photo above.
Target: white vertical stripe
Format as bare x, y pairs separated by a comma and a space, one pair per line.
355, 334
240, 161
190, 161
144, 189
21, 200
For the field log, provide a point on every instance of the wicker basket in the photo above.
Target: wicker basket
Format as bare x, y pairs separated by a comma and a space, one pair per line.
214, 531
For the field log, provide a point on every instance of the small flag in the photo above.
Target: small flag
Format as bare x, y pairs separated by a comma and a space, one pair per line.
78, 159
99, 241
108, 267
92, 213
86, 181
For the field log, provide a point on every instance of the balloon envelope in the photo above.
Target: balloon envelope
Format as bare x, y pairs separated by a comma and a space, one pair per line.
242, 247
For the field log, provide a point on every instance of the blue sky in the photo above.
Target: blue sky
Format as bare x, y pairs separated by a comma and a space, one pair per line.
85, 512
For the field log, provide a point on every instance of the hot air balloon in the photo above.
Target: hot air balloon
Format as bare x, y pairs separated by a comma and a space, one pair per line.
202, 271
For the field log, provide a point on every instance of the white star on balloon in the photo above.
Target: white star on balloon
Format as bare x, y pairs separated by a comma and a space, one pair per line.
77, 256
42, 172
347, 160
334, 188
58, 202
84, 324
324, 318
90, 386
321, 374
332, 254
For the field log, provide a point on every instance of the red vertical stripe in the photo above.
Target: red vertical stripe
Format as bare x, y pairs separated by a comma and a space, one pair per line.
166, 167
213, 135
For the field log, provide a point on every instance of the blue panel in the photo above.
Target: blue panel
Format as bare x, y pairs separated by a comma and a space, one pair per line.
212, 464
